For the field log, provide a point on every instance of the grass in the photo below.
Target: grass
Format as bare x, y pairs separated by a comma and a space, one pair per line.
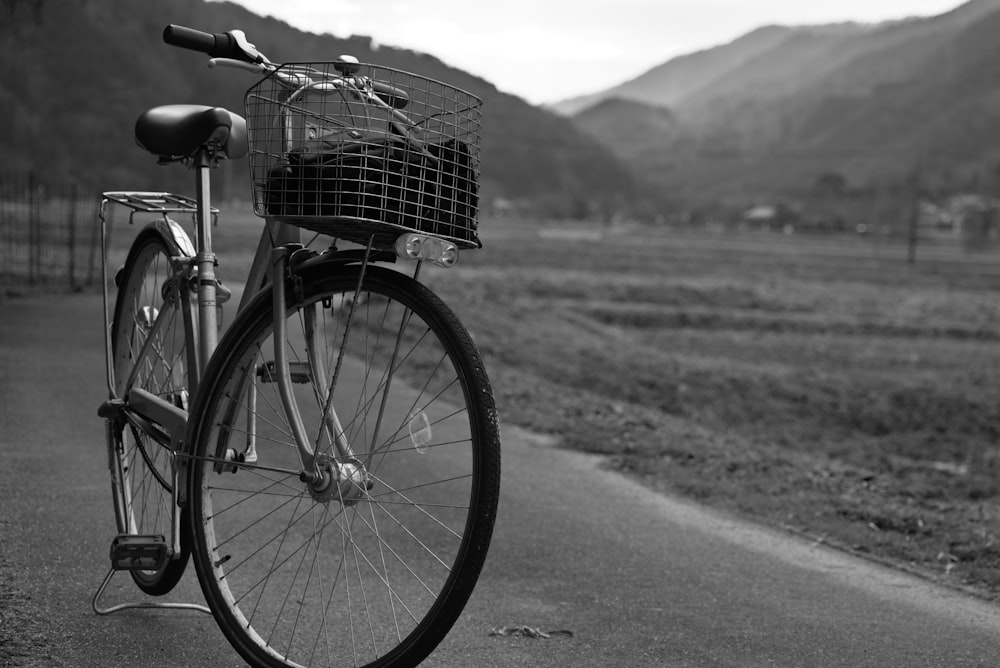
825, 386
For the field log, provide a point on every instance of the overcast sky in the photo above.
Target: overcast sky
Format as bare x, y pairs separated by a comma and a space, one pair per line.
548, 50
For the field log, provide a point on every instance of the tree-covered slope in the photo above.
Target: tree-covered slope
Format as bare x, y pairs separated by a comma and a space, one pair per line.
77, 73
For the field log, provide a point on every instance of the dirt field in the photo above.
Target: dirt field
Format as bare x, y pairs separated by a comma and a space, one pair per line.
826, 386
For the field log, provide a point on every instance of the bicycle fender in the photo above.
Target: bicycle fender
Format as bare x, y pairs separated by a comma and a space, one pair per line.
174, 235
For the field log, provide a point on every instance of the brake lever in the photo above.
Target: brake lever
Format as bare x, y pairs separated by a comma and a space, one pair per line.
249, 49
256, 68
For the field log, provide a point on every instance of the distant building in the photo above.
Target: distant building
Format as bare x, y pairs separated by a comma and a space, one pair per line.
761, 214
968, 216
501, 206
770, 216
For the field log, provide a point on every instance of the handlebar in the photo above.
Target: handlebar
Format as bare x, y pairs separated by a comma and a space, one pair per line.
233, 46
232, 49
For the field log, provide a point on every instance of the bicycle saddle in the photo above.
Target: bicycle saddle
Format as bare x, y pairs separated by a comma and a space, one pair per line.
179, 130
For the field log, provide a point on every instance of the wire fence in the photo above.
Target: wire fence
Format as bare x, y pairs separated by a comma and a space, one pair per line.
48, 233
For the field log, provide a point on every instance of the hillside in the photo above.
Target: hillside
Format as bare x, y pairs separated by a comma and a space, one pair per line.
78, 72
782, 106
632, 125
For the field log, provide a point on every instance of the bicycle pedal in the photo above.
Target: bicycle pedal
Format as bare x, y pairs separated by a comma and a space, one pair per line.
131, 552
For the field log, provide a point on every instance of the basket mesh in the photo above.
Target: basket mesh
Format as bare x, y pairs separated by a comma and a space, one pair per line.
328, 155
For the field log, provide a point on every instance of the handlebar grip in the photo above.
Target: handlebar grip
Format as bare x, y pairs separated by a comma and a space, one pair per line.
216, 45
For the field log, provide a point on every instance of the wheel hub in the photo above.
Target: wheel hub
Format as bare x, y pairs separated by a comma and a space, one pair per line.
346, 482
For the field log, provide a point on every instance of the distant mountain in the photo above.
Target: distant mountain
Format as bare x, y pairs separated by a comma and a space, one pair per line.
77, 73
768, 114
816, 61
634, 126
677, 79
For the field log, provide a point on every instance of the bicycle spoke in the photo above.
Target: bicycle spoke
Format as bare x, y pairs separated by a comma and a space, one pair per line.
422, 510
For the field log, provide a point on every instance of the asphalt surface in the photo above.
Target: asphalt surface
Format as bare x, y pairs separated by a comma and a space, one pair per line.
617, 575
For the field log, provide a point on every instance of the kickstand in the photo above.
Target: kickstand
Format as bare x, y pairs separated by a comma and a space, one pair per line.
127, 606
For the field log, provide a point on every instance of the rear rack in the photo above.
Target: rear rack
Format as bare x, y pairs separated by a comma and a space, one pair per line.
154, 202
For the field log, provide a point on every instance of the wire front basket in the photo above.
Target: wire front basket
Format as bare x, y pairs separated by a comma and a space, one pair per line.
357, 151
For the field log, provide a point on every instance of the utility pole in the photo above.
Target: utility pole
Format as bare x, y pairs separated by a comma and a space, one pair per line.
916, 178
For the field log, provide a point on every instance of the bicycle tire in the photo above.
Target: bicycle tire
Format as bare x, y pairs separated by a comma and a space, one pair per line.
143, 505
293, 577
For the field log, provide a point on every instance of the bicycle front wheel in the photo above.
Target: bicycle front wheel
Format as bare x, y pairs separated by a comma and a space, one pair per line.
374, 568
149, 347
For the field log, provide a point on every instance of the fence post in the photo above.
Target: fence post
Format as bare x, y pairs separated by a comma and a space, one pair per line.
916, 183
72, 237
33, 240
95, 241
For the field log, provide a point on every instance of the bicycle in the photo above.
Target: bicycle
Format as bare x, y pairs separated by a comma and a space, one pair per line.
331, 463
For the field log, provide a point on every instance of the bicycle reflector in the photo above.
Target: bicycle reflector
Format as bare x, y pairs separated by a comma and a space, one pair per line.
412, 246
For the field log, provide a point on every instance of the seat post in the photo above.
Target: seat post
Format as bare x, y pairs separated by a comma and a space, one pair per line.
205, 259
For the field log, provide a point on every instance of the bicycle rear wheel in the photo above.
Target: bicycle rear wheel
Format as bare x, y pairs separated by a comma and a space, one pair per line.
375, 569
146, 293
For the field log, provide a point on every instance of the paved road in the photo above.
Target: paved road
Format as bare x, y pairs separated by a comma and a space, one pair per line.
639, 579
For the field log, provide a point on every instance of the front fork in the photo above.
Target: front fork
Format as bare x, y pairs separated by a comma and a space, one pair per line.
341, 476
